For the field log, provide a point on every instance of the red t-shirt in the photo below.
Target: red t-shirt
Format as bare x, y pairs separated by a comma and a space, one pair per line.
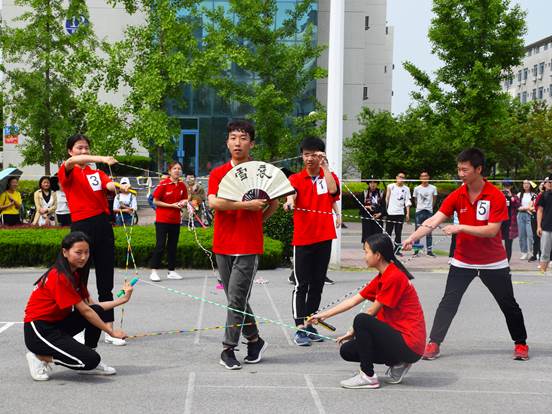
53, 301
169, 193
85, 190
489, 207
401, 307
236, 231
313, 194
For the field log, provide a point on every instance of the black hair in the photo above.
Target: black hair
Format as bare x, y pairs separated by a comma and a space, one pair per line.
382, 244
474, 156
312, 144
62, 265
424, 172
44, 177
73, 139
401, 172
241, 125
10, 179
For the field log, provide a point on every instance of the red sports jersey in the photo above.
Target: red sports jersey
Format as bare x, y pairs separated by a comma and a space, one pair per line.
312, 194
169, 192
85, 190
236, 231
489, 207
401, 307
53, 301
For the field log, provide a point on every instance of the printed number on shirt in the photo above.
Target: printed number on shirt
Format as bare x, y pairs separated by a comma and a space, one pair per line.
94, 181
321, 187
483, 208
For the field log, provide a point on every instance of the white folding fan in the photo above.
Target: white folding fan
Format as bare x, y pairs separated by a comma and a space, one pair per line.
254, 180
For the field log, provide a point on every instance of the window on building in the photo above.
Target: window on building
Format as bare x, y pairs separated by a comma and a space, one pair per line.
518, 96
519, 76
529, 52
525, 74
534, 95
384, 68
550, 89
535, 69
366, 22
541, 68
386, 30
541, 93
524, 97
545, 46
365, 93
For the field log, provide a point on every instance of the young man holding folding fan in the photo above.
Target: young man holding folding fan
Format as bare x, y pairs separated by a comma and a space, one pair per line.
237, 243
317, 190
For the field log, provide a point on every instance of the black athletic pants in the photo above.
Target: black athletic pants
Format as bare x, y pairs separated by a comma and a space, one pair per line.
536, 239
499, 283
508, 246
165, 235
55, 339
310, 266
396, 223
64, 219
375, 342
102, 253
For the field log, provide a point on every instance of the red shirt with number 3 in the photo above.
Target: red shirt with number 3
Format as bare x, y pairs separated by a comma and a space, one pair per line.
85, 189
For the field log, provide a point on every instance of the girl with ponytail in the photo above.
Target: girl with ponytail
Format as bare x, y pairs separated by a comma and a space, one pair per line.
392, 330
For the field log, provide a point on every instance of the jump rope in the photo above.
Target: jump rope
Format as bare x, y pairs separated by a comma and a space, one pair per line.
191, 227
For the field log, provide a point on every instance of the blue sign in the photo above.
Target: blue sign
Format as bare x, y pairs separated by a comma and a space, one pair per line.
71, 25
11, 130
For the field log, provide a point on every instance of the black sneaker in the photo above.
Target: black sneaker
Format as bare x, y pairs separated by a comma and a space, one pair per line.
328, 281
533, 258
228, 359
255, 351
315, 337
431, 254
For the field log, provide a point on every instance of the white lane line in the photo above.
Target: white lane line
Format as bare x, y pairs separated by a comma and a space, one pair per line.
315, 395
189, 393
6, 326
278, 317
11, 322
201, 307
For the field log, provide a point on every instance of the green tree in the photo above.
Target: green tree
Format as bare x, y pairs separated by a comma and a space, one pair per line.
248, 40
46, 69
479, 42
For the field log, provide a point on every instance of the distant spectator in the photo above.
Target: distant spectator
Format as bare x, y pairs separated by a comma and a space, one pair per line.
194, 187
536, 237
525, 211
544, 224
63, 214
510, 227
425, 195
124, 205
10, 203
374, 202
398, 204
45, 201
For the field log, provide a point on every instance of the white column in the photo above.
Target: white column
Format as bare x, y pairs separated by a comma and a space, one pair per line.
334, 131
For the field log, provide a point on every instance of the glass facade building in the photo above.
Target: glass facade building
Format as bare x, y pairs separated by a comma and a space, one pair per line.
201, 144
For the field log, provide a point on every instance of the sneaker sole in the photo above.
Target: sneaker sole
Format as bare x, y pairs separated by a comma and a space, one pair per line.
155, 280
233, 368
35, 378
519, 358
175, 278
303, 344
256, 361
107, 341
354, 387
99, 373
431, 358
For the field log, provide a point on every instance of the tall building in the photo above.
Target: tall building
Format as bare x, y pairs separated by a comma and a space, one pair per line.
532, 80
201, 143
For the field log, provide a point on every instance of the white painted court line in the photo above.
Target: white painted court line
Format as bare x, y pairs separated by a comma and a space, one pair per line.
201, 307
278, 317
315, 395
6, 326
189, 393
11, 322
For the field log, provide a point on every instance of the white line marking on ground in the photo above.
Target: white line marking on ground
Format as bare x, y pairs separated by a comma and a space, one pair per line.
279, 318
201, 307
10, 322
6, 326
189, 393
315, 395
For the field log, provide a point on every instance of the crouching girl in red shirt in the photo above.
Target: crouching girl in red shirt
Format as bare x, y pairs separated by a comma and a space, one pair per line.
392, 330
60, 307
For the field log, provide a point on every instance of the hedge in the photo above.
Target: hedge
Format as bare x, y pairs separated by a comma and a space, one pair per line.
38, 247
280, 227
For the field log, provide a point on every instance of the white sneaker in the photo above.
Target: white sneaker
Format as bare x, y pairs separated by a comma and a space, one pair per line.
361, 380
154, 277
101, 369
114, 341
79, 337
173, 275
38, 369
523, 256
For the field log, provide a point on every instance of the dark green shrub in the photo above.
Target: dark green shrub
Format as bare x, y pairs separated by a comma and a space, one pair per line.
145, 163
280, 227
31, 246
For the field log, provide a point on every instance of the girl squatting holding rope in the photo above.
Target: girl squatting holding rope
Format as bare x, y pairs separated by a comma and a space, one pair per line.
392, 330
60, 307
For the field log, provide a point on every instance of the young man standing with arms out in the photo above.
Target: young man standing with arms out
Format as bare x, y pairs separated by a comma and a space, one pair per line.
317, 188
481, 209
425, 195
397, 199
237, 243
544, 224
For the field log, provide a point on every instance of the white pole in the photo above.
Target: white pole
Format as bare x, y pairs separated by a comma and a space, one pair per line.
334, 131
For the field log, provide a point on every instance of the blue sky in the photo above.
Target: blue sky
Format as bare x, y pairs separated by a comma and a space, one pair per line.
411, 19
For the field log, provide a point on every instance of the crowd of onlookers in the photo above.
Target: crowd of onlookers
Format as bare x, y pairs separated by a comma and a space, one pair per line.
49, 204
